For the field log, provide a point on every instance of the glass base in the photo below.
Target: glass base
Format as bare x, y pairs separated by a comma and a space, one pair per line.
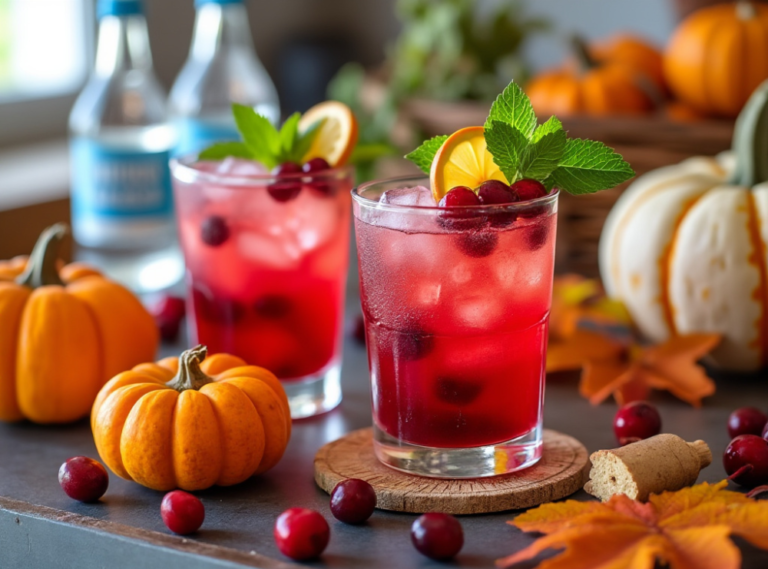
316, 394
475, 462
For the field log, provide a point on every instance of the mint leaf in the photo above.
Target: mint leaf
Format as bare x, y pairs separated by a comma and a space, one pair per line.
513, 107
289, 133
425, 153
222, 150
508, 146
589, 166
305, 141
542, 157
552, 125
259, 135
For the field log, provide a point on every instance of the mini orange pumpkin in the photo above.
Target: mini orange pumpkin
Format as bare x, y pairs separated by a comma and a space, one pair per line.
170, 424
718, 56
632, 53
63, 333
596, 89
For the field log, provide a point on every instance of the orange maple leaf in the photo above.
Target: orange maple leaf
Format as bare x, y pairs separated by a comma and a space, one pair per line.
581, 347
671, 365
687, 529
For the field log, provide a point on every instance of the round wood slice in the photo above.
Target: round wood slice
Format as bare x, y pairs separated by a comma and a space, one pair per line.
562, 470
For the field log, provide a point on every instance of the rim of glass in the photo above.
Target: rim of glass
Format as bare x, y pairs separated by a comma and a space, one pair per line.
183, 169
413, 181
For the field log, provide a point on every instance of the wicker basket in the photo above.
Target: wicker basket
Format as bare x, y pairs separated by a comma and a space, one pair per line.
647, 143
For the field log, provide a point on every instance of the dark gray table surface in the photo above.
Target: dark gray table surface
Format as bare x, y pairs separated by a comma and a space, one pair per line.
242, 517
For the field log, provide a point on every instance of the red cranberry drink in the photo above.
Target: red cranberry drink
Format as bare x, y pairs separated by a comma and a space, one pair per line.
267, 257
456, 284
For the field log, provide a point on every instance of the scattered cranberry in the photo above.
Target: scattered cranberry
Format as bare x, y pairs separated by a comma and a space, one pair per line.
459, 220
528, 189
636, 421
182, 512
477, 244
315, 165
353, 501
747, 421
438, 536
301, 534
83, 479
168, 314
286, 189
413, 344
746, 460
272, 306
457, 391
214, 230
356, 329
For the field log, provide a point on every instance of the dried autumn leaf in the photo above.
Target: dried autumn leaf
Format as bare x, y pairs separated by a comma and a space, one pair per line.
687, 529
581, 347
670, 365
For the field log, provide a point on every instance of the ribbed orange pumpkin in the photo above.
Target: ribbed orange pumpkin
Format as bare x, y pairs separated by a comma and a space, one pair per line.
63, 333
632, 53
718, 56
597, 89
191, 422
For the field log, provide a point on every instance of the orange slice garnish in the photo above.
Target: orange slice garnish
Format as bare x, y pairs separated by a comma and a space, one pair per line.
337, 136
463, 160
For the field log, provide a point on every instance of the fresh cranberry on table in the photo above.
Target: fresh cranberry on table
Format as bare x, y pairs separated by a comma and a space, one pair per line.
636, 421
528, 189
168, 313
214, 230
353, 501
286, 189
746, 460
182, 512
747, 421
438, 536
301, 534
83, 479
316, 165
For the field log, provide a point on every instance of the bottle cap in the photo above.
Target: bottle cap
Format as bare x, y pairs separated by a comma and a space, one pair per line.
199, 3
119, 8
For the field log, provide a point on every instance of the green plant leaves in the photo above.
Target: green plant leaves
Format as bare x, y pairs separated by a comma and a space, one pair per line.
507, 145
589, 166
425, 153
513, 107
222, 150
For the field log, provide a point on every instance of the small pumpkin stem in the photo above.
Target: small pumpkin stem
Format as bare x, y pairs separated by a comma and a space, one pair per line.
581, 51
190, 376
750, 140
41, 268
745, 11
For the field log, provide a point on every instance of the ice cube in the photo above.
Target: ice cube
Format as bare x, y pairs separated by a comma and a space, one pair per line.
271, 251
314, 222
239, 167
479, 312
416, 196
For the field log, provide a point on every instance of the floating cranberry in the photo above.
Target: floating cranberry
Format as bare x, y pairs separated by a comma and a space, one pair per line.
438, 536
495, 192
356, 329
353, 501
315, 165
214, 230
272, 306
83, 479
413, 344
223, 310
168, 313
477, 244
747, 421
182, 512
536, 236
287, 189
460, 219
636, 421
457, 391
301, 534
528, 189
746, 460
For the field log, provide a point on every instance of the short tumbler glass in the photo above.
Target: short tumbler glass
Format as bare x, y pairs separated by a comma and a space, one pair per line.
267, 259
456, 305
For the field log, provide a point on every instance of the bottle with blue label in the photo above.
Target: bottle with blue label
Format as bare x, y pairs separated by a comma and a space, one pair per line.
222, 68
120, 141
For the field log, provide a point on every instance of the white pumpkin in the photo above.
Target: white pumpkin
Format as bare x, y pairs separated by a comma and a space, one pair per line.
686, 246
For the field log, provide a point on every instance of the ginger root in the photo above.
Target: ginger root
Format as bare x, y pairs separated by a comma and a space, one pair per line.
651, 466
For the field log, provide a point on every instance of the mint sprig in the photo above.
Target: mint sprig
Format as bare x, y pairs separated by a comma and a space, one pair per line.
262, 141
521, 149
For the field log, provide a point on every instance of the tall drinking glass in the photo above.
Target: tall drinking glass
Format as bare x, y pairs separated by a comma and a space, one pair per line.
456, 305
266, 260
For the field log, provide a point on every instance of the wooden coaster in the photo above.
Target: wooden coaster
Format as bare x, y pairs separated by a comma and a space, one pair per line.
562, 470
